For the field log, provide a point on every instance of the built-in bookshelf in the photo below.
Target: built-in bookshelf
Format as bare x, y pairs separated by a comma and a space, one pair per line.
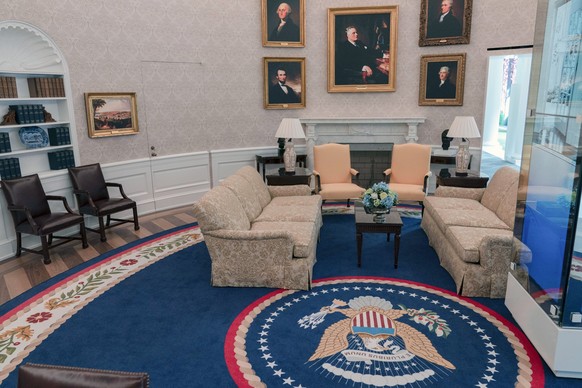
35, 120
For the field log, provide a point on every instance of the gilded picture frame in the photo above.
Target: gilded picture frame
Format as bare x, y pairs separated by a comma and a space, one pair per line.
111, 114
284, 83
283, 23
442, 79
362, 49
445, 22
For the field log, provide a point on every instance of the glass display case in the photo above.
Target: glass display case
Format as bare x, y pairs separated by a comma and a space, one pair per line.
549, 299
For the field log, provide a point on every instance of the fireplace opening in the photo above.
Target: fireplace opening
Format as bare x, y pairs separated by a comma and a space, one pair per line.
370, 159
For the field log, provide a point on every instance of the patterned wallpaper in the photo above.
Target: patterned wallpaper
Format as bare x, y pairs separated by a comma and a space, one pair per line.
196, 66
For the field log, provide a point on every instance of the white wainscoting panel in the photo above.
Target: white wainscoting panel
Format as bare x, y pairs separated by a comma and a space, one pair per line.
180, 180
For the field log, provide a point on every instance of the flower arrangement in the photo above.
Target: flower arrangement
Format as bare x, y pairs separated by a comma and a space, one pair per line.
379, 196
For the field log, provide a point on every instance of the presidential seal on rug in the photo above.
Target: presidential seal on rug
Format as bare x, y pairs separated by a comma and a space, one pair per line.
376, 332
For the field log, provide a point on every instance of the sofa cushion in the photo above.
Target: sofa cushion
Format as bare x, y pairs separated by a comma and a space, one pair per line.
312, 200
220, 209
258, 184
483, 218
245, 194
450, 203
501, 187
304, 234
288, 213
466, 241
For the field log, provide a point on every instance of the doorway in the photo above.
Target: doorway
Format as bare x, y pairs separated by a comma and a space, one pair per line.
505, 109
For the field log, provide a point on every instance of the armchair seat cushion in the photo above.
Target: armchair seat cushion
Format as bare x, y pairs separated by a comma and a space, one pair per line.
340, 191
108, 206
467, 241
303, 234
50, 223
408, 192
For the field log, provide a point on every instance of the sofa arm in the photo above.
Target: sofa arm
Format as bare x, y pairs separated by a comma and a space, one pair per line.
250, 235
495, 253
289, 191
263, 246
459, 192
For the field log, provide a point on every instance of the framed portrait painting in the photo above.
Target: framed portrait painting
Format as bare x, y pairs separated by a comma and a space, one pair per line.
284, 84
444, 22
283, 23
111, 114
362, 49
442, 79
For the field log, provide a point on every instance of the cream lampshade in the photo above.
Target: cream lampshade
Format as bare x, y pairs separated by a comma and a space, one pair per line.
290, 129
463, 127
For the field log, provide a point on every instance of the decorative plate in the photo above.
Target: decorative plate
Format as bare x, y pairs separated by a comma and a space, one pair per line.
33, 137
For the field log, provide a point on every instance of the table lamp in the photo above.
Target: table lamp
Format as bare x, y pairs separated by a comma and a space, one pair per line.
290, 129
463, 127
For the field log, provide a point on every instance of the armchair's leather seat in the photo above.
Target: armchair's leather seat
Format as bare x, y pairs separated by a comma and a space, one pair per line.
53, 376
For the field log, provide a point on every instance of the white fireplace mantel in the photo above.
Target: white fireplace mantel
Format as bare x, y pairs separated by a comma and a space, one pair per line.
359, 130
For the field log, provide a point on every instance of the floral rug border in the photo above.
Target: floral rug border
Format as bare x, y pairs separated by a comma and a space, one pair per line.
23, 328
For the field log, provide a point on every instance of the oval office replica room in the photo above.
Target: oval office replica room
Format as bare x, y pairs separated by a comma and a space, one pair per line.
290, 193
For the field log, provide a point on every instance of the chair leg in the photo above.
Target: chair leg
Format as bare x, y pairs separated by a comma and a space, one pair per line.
108, 220
18, 244
83, 235
135, 219
50, 239
102, 229
421, 209
348, 203
45, 250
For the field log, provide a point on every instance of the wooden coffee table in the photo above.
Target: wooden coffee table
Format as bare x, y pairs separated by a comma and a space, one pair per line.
365, 224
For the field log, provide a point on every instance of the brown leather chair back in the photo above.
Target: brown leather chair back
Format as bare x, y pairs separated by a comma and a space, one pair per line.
26, 192
53, 376
89, 178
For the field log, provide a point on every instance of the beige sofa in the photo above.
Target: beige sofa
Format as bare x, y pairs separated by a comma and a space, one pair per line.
259, 235
472, 232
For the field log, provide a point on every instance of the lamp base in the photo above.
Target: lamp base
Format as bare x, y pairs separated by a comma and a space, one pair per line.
462, 159
289, 157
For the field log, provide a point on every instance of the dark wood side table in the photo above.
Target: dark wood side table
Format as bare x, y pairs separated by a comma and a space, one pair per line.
262, 161
446, 159
280, 177
473, 179
365, 224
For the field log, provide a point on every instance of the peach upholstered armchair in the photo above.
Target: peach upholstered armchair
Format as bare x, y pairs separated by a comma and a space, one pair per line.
333, 173
409, 172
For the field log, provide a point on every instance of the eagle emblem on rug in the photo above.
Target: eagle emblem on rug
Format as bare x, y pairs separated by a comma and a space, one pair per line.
373, 342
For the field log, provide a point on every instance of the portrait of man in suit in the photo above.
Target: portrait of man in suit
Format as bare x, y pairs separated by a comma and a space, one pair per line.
445, 21
280, 92
440, 85
284, 83
283, 22
442, 79
362, 49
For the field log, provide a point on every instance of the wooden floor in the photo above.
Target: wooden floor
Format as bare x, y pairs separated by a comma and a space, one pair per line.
19, 274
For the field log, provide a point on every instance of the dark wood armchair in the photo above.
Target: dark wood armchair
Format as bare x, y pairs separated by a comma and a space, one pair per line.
56, 376
93, 198
28, 204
